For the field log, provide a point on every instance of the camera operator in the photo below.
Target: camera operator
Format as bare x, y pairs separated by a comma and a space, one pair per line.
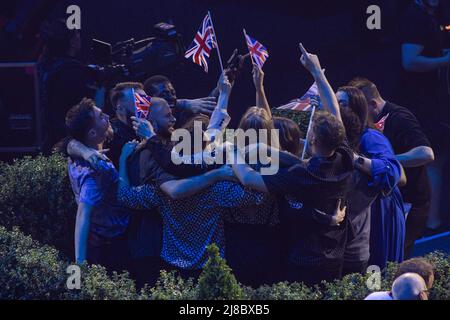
426, 63
64, 78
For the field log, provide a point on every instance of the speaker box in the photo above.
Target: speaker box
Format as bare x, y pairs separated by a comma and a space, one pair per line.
20, 110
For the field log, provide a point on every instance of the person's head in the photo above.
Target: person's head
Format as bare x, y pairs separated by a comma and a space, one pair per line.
374, 100
161, 87
196, 120
122, 99
161, 117
326, 135
353, 127
421, 266
354, 99
59, 40
257, 119
409, 286
88, 124
289, 135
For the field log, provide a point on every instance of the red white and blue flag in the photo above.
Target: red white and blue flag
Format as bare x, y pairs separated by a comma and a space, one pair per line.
305, 102
257, 51
203, 43
142, 104
381, 124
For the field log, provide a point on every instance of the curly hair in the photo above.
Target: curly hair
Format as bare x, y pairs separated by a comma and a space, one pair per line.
328, 131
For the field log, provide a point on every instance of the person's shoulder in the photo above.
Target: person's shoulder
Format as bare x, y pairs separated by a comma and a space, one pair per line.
79, 169
382, 295
372, 135
396, 112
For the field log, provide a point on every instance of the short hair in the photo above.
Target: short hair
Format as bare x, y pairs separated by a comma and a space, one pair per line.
117, 92
289, 134
80, 118
408, 286
369, 88
328, 131
421, 266
151, 82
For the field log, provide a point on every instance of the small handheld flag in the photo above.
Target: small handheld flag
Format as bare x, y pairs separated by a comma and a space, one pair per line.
142, 105
204, 41
258, 52
380, 124
304, 103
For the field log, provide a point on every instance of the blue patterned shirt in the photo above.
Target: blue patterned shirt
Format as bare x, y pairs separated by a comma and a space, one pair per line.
192, 223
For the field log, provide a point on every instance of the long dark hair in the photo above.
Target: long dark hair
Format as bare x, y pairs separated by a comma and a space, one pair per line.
358, 104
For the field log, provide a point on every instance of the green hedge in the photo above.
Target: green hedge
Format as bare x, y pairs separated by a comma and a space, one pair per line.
35, 198
29, 270
35, 195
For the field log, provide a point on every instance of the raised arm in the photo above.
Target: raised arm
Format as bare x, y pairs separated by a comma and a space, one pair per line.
220, 118
258, 80
327, 96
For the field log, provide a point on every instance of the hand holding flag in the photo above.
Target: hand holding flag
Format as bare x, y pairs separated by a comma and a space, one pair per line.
258, 52
142, 105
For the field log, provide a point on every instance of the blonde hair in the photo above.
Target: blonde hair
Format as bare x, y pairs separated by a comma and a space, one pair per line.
257, 118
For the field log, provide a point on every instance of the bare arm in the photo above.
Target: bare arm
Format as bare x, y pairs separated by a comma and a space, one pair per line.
413, 61
416, 157
327, 96
82, 231
258, 80
247, 176
76, 149
178, 189
403, 181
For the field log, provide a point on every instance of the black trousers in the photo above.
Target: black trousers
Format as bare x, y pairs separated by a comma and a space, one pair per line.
415, 226
146, 270
111, 253
312, 275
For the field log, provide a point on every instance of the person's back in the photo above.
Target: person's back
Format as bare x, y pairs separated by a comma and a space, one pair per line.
321, 182
99, 188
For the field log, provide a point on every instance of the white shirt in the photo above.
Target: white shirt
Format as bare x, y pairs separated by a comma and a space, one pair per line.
382, 295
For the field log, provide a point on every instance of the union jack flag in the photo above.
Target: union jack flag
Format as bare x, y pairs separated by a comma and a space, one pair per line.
204, 41
142, 104
257, 51
305, 102
380, 124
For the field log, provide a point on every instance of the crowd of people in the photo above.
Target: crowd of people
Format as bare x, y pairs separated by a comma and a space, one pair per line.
360, 197
337, 211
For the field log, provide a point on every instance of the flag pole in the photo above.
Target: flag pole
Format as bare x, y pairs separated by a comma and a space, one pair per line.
307, 133
251, 56
217, 41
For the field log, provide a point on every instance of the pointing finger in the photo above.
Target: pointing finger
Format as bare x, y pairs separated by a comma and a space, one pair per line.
302, 48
